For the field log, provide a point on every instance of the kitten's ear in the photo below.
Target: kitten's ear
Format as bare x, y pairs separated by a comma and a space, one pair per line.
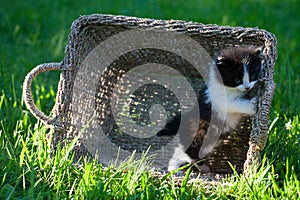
219, 60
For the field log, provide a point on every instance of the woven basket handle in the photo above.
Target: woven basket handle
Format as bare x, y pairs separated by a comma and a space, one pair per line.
27, 93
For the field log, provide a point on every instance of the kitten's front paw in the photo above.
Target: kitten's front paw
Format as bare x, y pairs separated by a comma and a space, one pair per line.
253, 105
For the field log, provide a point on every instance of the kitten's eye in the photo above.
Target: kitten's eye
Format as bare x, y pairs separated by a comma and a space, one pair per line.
253, 77
237, 81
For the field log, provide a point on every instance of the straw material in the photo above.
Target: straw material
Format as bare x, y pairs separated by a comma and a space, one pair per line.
241, 148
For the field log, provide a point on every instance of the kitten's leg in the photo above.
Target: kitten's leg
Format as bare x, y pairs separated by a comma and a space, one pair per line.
243, 106
179, 158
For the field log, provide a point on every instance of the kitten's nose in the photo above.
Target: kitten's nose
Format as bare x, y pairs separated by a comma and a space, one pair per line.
247, 85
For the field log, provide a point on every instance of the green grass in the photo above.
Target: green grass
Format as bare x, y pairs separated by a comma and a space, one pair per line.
36, 32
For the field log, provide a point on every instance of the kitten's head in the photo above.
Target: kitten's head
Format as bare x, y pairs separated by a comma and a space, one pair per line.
239, 67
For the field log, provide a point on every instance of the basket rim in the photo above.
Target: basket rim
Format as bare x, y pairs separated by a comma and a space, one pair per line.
189, 28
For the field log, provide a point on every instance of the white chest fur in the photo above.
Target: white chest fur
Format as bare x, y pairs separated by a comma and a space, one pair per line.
227, 102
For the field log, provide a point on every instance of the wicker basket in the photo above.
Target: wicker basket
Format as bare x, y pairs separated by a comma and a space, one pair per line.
240, 148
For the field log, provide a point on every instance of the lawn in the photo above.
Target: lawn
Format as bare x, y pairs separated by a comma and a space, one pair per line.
34, 32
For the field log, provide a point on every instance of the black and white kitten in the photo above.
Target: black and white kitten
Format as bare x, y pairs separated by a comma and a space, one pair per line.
234, 71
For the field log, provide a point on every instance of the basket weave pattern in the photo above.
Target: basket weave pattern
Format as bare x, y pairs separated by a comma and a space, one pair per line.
241, 148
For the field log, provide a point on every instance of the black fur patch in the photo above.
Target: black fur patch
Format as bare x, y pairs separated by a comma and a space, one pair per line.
230, 64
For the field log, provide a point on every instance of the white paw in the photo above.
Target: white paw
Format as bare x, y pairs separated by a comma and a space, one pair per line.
179, 158
173, 166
